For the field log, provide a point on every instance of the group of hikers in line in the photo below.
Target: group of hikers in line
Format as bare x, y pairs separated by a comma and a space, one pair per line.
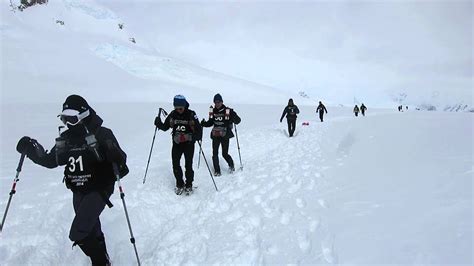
291, 112
400, 108
187, 129
93, 160
362, 110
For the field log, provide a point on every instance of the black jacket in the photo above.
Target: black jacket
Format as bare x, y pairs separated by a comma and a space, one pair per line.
186, 126
321, 108
291, 112
84, 171
222, 120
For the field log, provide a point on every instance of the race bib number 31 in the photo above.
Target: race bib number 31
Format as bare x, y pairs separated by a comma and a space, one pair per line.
74, 163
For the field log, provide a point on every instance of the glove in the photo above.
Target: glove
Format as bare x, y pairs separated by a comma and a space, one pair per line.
281, 120
113, 153
198, 137
158, 121
30, 147
24, 145
203, 121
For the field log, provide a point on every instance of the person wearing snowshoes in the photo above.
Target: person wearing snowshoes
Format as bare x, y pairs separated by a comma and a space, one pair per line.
321, 109
221, 118
362, 109
186, 130
356, 110
88, 151
291, 111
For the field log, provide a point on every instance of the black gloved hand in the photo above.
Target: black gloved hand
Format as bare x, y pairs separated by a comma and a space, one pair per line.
113, 154
24, 145
203, 122
281, 120
199, 138
158, 121
30, 147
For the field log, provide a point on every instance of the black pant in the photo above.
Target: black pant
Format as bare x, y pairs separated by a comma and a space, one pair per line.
186, 148
321, 114
291, 126
86, 229
216, 142
363, 112
356, 114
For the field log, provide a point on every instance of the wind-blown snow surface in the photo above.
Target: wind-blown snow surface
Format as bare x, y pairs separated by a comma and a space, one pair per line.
385, 188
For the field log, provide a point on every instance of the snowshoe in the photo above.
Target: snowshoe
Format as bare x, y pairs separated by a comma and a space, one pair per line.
231, 170
217, 173
179, 190
188, 191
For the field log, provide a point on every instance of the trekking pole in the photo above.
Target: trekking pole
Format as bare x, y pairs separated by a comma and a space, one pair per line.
122, 196
199, 160
238, 147
205, 160
15, 180
152, 143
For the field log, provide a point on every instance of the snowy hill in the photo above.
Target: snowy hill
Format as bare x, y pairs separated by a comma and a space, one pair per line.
43, 60
386, 188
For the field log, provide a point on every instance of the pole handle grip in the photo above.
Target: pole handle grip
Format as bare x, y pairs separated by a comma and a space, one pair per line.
20, 163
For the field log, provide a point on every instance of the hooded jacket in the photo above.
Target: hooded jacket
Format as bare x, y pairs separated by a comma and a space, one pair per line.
291, 111
86, 169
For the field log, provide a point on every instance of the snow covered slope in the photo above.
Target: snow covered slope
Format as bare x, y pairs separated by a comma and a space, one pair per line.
43, 60
385, 188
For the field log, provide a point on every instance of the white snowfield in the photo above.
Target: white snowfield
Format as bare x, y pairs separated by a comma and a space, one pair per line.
388, 188
43, 60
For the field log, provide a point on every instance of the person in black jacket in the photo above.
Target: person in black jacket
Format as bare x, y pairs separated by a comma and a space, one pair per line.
362, 109
291, 111
321, 109
186, 131
221, 118
88, 151
356, 110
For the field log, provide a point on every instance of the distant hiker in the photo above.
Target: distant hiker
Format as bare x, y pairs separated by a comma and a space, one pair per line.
88, 151
356, 110
407, 107
186, 130
321, 109
221, 118
362, 109
291, 111
399, 108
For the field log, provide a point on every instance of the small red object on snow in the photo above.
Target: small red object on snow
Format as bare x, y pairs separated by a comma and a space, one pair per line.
305, 123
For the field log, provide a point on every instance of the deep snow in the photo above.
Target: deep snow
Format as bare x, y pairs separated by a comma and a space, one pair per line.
385, 188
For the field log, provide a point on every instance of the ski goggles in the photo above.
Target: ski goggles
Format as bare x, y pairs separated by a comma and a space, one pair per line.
73, 117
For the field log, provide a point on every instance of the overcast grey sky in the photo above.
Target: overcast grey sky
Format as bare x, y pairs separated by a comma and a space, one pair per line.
365, 48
